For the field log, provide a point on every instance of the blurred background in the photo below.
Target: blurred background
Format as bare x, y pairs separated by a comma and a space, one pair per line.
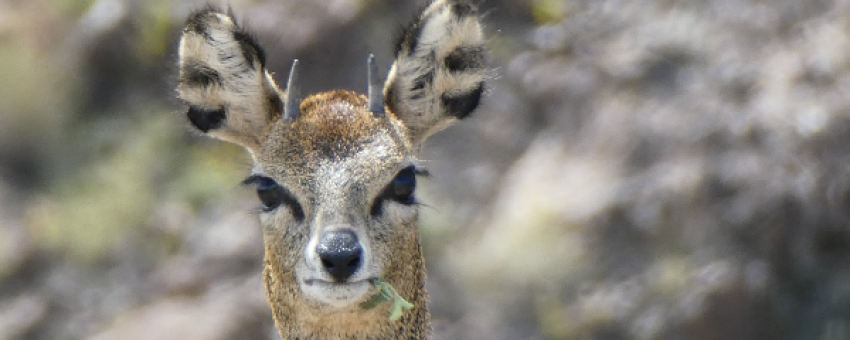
654, 169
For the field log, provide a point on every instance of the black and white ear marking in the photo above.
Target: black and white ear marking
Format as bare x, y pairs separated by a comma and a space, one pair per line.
464, 59
196, 73
251, 50
464, 9
198, 22
205, 120
408, 39
438, 74
223, 79
461, 104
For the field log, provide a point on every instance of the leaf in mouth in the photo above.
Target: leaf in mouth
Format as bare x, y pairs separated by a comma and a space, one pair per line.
387, 293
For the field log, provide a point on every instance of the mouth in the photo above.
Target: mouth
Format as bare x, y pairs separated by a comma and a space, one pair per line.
338, 294
311, 282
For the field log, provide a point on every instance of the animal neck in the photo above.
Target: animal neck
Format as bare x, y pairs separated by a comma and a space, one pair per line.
300, 318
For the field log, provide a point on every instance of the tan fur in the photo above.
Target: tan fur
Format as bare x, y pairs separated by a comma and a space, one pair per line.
336, 160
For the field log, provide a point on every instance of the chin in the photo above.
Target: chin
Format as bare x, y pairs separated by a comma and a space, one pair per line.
337, 294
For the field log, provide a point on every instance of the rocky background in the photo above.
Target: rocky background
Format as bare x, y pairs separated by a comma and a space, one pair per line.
667, 169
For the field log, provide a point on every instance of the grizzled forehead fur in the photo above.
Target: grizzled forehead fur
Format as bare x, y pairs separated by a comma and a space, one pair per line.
334, 127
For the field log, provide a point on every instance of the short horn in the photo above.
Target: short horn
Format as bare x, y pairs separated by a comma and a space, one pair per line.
376, 94
292, 109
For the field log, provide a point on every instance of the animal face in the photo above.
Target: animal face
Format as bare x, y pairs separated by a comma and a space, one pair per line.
336, 173
340, 182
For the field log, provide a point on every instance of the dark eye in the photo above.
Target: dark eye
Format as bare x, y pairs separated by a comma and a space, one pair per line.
402, 187
272, 195
401, 190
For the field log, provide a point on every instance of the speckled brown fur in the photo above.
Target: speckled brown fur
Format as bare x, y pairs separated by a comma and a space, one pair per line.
334, 163
336, 126
293, 317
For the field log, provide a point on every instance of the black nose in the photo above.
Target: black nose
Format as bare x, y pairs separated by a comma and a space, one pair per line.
340, 253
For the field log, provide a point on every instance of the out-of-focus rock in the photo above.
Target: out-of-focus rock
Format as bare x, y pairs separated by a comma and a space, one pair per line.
682, 182
232, 309
20, 314
16, 245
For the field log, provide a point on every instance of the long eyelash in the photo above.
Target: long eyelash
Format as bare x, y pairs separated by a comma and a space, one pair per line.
420, 171
255, 211
253, 179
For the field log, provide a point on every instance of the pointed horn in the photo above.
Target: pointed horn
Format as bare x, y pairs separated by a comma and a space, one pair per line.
376, 94
292, 108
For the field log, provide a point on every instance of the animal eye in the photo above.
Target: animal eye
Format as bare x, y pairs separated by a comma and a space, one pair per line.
401, 190
272, 195
402, 187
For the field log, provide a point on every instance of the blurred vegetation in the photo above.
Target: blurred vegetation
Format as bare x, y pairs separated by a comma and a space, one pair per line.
549, 11
93, 172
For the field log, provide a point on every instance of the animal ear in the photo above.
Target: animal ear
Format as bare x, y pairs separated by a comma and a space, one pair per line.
438, 74
223, 79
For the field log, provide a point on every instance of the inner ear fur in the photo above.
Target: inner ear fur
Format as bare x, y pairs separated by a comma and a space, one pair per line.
438, 74
223, 79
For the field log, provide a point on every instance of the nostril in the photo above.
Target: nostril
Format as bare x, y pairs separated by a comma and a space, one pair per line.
355, 262
340, 254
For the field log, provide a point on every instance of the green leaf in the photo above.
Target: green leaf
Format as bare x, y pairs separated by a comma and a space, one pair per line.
383, 295
399, 306
386, 292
